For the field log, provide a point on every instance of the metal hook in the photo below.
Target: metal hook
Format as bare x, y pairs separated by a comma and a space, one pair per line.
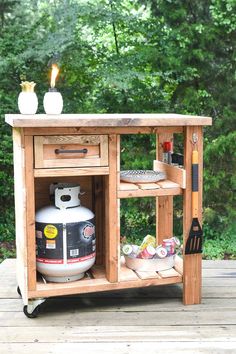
194, 138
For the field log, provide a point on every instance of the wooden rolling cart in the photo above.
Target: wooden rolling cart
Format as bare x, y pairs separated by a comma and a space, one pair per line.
36, 165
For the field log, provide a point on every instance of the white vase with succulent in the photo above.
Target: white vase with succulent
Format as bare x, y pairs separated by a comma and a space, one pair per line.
27, 99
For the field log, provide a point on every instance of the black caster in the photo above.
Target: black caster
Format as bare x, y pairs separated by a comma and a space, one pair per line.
18, 291
32, 314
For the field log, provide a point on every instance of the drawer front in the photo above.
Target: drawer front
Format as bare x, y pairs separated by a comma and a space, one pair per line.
70, 151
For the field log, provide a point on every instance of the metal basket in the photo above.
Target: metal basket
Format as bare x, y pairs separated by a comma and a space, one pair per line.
142, 176
154, 264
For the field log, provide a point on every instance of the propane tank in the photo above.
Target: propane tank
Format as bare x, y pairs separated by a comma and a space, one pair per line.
65, 236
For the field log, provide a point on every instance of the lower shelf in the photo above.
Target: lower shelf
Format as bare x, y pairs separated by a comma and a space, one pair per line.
97, 281
162, 188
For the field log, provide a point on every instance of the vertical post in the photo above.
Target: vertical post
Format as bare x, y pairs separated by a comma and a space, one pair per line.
164, 205
30, 211
20, 213
192, 277
98, 192
111, 217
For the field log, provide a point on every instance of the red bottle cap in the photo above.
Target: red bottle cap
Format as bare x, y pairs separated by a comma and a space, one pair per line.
167, 146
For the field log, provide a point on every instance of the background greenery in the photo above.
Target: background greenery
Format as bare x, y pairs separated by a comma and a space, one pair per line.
130, 56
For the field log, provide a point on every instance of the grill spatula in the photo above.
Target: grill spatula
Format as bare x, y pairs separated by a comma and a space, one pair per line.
194, 241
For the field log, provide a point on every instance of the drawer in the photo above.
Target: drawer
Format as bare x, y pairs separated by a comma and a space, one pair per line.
70, 151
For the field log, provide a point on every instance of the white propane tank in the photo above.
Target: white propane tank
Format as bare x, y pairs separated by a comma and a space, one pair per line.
65, 236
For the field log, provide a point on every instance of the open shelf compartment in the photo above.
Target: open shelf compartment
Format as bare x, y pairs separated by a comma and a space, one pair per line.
96, 281
172, 185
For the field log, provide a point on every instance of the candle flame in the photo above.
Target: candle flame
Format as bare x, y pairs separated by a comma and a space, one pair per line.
55, 71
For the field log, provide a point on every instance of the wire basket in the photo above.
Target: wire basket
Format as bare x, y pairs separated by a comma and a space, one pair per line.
142, 176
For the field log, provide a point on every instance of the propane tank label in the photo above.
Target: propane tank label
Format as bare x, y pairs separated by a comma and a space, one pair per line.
49, 249
50, 231
80, 240
51, 244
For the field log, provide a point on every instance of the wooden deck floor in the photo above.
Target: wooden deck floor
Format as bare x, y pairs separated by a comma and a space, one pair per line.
151, 320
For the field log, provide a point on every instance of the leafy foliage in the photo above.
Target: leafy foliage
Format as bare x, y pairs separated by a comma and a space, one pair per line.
129, 56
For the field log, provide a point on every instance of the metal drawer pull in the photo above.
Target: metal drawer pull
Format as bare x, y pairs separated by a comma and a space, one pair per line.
62, 151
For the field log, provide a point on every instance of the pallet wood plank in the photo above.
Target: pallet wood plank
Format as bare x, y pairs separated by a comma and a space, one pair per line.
219, 264
136, 334
168, 273
60, 318
111, 303
123, 348
147, 275
167, 184
127, 274
146, 186
128, 186
219, 273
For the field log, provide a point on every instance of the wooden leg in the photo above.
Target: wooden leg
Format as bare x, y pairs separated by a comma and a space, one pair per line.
192, 276
20, 213
111, 217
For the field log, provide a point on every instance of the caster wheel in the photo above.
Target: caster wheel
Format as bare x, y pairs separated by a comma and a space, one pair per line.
32, 314
18, 291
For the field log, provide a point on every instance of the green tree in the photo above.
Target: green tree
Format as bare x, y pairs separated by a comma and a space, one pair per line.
128, 56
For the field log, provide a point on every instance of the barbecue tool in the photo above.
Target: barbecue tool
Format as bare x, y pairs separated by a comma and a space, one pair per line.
194, 241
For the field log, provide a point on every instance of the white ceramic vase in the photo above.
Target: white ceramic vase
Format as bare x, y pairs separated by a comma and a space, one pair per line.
27, 102
53, 102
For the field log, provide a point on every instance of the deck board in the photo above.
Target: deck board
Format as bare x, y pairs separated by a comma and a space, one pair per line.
125, 321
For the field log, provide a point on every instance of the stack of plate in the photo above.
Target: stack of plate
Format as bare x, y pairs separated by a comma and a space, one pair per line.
142, 176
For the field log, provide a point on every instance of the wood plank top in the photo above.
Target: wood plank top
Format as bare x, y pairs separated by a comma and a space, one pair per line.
105, 120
